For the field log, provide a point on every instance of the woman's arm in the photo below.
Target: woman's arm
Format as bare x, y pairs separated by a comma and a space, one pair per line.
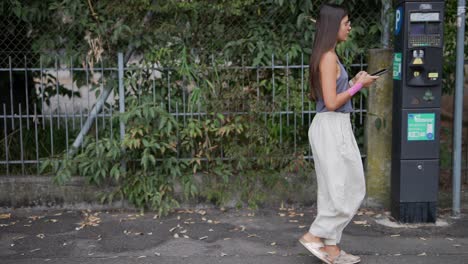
328, 72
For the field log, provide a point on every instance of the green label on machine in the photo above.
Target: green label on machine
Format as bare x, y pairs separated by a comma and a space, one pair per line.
421, 126
397, 66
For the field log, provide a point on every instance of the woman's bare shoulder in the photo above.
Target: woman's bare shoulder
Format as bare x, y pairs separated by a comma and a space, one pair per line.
328, 58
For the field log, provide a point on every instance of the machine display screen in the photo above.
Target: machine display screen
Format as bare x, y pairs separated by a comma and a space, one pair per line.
417, 28
425, 17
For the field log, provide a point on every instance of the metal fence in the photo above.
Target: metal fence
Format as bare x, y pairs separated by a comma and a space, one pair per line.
41, 120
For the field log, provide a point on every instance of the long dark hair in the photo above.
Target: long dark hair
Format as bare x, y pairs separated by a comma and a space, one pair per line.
327, 27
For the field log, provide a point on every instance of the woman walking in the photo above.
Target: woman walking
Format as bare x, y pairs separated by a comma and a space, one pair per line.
338, 165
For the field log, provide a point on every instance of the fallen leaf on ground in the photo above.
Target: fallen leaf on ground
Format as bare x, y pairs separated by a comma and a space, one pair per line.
35, 217
10, 224
360, 222
5, 216
294, 214
89, 220
201, 212
185, 211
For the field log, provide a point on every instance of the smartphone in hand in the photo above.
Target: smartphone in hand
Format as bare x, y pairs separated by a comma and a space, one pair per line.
379, 72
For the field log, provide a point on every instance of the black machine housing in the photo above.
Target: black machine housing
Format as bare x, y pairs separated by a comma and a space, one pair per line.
417, 74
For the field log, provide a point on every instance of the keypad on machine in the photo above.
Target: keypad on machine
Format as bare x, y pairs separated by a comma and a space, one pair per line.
424, 40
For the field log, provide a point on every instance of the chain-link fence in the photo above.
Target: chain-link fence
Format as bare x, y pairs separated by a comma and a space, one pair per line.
252, 30
15, 42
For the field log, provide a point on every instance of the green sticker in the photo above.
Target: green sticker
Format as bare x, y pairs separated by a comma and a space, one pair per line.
421, 126
397, 66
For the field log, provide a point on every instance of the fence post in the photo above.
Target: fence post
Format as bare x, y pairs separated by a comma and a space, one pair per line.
385, 19
378, 130
90, 120
121, 103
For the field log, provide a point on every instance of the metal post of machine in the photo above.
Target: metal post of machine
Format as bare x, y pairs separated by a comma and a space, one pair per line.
417, 75
458, 113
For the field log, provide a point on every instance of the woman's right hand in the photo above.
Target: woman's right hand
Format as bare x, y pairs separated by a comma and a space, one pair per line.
366, 79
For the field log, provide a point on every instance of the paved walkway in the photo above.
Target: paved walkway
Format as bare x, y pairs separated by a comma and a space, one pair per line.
214, 236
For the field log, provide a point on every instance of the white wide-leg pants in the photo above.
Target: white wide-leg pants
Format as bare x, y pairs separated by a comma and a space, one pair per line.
340, 174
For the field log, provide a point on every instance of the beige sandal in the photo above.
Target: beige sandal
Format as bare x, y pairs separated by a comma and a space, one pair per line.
345, 258
314, 248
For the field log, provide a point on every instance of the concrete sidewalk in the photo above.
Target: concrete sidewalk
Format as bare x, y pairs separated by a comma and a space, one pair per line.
217, 236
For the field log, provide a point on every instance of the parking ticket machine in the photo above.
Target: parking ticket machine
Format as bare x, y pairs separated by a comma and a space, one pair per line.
417, 78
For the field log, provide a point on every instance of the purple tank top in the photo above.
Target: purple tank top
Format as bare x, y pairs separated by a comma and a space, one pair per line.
341, 86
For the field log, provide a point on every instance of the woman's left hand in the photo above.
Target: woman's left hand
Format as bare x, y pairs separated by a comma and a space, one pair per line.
358, 75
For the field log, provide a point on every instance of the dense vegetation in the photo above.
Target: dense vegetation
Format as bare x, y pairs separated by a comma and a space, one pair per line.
240, 147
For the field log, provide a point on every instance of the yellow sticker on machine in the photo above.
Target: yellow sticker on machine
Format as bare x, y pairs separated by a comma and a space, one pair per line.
433, 75
418, 61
